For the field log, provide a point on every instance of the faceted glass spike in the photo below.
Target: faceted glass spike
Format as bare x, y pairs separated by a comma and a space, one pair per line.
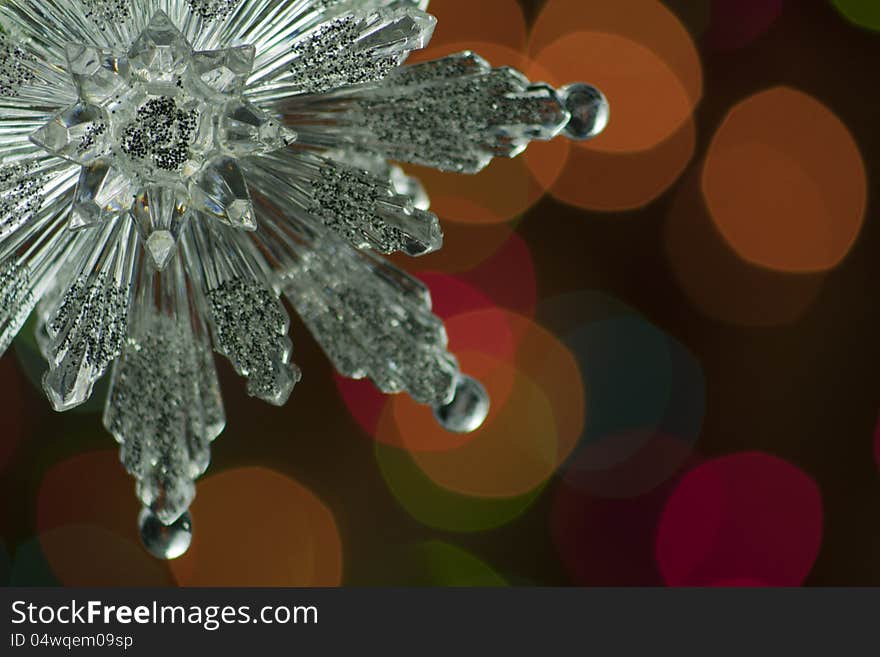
100, 75
160, 55
160, 216
220, 190
355, 48
225, 71
247, 130
411, 30
103, 192
78, 134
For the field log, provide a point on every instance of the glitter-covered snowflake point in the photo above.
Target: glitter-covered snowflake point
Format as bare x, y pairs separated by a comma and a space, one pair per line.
172, 172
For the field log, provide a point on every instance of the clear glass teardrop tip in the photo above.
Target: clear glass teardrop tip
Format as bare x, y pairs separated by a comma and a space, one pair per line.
165, 541
468, 409
589, 111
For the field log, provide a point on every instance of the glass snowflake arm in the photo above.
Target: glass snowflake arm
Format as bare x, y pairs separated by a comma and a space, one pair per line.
164, 405
353, 203
372, 319
88, 327
346, 46
249, 325
456, 114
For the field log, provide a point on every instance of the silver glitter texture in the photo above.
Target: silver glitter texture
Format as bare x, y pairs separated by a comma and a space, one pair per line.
455, 114
170, 168
213, 9
104, 12
14, 69
162, 132
87, 330
164, 409
16, 301
329, 58
251, 330
21, 194
355, 308
363, 209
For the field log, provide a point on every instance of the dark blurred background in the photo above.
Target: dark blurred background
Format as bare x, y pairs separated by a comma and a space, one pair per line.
675, 321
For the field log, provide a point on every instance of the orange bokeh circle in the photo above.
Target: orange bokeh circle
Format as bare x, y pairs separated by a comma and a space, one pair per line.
483, 341
536, 418
412, 426
89, 489
93, 556
86, 517
515, 451
507, 187
256, 527
612, 182
785, 182
493, 21
648, 101
636, 51
720, 283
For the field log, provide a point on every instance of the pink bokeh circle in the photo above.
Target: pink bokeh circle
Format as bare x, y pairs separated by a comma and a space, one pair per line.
743, 517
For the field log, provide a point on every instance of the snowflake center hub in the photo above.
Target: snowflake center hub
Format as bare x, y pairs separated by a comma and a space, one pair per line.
158, 130
161, 135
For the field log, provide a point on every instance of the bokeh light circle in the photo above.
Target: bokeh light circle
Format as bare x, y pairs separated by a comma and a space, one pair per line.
785, 182
500, 22
615, 182
449, 565
537, 413
515, 450
506, 278
428, 564
605, 541
90, 555
648, 101
89, 489
86, 520
647, 395
720, 283
746, 516
636, 51
647, 401
257, 527
864, 13
438, 507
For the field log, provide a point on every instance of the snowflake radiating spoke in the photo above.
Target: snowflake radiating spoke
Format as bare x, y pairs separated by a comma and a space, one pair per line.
171, 169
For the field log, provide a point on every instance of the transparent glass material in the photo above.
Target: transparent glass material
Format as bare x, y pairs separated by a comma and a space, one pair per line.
157, 129
171, 170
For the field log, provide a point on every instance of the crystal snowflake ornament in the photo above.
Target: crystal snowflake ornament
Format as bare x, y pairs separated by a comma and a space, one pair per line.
169, 169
